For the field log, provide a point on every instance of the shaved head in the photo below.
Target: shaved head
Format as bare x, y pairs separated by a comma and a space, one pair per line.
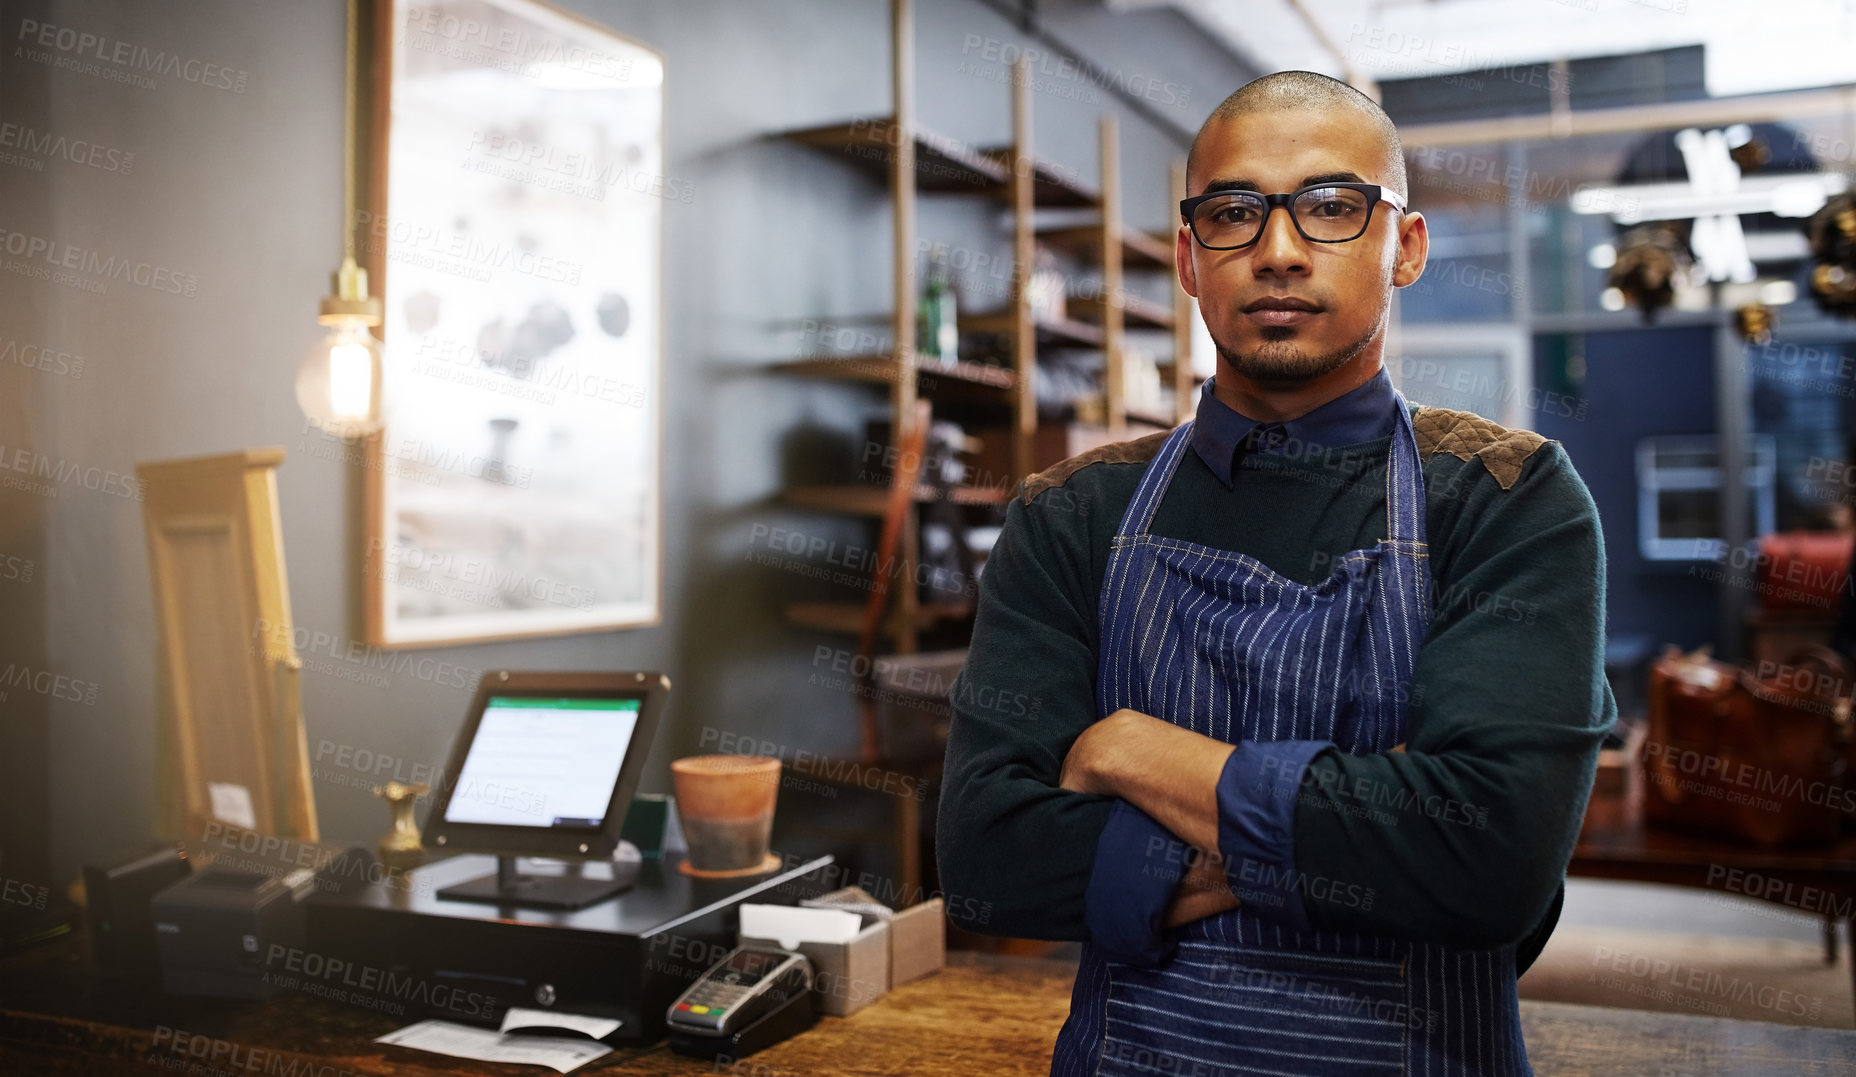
1305, 91
1296, 319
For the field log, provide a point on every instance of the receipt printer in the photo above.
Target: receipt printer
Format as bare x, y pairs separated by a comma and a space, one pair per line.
214, 928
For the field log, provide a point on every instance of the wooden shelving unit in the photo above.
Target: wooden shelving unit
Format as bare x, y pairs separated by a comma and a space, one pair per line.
1135, 310
1185, 314
942, 164
1049, 186
910, 160
887, 367
1102, 319
1086, 240
1062, 331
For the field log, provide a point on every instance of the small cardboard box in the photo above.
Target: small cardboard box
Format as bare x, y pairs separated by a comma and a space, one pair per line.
917, 934
847, 976
917, 941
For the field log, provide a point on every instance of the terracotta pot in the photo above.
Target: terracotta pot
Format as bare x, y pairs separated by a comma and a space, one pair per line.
726, 804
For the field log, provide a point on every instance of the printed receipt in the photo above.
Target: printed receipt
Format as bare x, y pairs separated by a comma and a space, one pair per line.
597, 1027
462, 1041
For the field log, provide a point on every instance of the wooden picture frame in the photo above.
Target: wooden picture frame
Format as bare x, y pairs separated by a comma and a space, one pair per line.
516, 237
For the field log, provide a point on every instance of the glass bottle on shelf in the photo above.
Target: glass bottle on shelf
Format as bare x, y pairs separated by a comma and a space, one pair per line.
937, 332
1044, 291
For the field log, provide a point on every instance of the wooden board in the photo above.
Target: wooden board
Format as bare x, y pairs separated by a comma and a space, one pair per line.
230, 705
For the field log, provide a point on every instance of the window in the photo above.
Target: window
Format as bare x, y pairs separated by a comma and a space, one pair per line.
1679, 496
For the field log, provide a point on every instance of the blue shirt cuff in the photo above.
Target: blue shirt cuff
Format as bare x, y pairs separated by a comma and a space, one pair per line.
1138, 866
1256, 827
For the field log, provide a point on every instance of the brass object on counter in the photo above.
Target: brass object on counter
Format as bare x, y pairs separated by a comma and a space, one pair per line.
402, 846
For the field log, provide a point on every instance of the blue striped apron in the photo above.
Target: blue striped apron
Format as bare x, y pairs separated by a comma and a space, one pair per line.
1214, 641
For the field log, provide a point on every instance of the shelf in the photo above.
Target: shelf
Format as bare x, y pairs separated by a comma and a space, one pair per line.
1051, 186
1061, 441
941, 163
867, 499
1138, 312
1141, 312
1060, 331
1151, 419
1138, 249
848, 617
884, 368
1081, 216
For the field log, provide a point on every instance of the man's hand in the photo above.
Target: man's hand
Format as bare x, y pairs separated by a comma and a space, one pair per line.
1205, 891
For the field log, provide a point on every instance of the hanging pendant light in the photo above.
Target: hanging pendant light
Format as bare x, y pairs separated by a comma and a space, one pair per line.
338, 384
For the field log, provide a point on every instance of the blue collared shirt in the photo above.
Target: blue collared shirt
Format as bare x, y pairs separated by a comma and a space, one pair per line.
1362, 414
1139, 863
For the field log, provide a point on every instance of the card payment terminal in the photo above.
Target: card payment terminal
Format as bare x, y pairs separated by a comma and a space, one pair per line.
752, 998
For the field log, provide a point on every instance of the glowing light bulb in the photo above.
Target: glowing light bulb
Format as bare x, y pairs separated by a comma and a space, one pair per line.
351, 381
338, 383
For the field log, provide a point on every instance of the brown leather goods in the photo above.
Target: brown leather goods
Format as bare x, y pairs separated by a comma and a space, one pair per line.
1753, 755
1804, 570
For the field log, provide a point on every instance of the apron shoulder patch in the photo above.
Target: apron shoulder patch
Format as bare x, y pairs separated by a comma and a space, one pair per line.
1139, 451
1464, 434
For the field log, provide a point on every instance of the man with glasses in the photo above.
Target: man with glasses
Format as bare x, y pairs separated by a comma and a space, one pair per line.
1316, 679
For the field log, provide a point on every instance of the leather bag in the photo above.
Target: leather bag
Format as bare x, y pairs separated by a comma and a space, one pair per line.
1760, 759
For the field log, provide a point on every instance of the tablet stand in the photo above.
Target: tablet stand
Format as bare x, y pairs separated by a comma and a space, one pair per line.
565, 891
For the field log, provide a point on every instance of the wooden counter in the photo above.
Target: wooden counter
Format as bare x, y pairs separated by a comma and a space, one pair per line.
980, 1017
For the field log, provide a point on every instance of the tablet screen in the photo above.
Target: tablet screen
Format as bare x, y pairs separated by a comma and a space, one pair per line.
544, 761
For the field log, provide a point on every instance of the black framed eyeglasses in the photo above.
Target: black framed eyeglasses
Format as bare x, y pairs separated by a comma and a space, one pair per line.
1325, 213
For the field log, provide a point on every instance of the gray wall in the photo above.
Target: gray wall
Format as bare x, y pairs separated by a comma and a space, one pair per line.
243, 190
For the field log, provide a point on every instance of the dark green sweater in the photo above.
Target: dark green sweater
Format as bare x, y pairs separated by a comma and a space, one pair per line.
1462, 839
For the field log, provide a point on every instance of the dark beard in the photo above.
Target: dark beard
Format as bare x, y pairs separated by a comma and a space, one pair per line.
1280, 364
